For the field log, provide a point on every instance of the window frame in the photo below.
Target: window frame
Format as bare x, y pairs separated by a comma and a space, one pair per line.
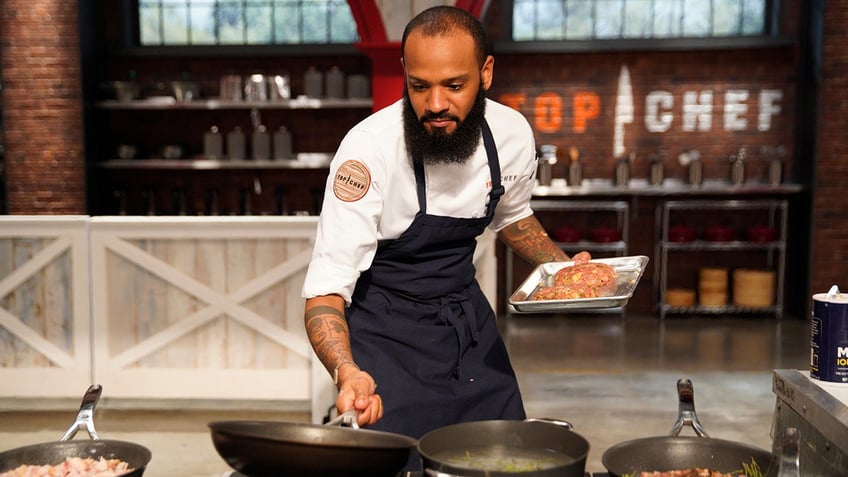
772, 38
131, 45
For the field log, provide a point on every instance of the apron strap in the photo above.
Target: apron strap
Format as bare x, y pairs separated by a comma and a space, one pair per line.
494, 169
463, 328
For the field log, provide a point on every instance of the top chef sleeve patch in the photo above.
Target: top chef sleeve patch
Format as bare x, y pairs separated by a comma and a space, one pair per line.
352, 181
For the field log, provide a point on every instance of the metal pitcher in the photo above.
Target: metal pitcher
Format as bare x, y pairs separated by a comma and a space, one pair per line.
546, 161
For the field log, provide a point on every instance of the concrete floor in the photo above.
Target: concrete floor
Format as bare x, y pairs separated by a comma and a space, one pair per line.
614, 378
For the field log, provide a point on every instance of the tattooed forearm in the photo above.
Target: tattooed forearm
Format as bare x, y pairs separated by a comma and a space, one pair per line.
327, 330
530, 241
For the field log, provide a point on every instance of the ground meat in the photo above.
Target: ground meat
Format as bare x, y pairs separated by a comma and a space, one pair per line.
73, 467
592, 274
696, 472
565, 292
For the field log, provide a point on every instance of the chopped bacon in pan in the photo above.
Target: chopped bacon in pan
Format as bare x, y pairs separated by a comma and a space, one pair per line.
696, 472
73, 467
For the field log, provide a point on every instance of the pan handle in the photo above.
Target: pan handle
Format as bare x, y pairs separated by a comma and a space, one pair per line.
686, 409
347, 418
789, 454
85, 416
555, 422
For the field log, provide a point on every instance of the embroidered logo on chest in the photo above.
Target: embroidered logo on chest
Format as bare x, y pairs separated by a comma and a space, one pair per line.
352, 181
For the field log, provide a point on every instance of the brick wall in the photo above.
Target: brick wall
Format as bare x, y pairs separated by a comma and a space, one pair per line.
830, 214
42, 107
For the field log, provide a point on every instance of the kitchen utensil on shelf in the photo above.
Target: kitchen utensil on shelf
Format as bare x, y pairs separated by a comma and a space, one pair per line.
127, 151
547, 159
691, 160
122, 90
280, 86
575, 169
737, 167
230, 88
622, 170
256, 88
656, 173
172, 151
184, 91
52, 453
338, 449
261, 144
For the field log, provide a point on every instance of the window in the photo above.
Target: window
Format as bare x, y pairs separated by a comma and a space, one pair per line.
245, 22
545, 20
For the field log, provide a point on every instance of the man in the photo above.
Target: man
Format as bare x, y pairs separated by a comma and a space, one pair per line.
393, 310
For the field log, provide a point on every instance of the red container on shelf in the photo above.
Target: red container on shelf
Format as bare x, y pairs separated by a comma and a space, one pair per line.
720, 233
605, 234
567, 234
761, 233
681, 233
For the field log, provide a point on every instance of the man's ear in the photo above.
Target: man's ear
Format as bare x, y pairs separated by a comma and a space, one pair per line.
487, 72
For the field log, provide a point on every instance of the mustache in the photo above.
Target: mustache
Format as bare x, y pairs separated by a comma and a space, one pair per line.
438, 116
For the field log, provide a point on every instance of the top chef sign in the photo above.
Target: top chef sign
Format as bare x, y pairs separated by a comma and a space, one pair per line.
696, 110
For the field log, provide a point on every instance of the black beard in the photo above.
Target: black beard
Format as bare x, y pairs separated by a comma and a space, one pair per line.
441, 147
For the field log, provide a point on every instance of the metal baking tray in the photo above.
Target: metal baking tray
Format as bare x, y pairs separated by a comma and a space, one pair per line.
628, 271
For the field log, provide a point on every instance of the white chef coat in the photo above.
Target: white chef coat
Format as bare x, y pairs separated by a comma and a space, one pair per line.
348, 230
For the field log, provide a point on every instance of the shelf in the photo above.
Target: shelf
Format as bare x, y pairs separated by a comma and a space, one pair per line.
776, 212
214, 104
303, 161
590, 246
719, 310
723, 246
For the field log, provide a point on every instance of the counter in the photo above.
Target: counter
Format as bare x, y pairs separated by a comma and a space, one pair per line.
669, 187
819, 410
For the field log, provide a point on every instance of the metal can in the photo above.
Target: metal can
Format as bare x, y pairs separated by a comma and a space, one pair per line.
829, 337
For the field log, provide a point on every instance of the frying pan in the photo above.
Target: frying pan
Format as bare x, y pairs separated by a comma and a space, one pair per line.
502, 442
54, 453
664, 453
271, 448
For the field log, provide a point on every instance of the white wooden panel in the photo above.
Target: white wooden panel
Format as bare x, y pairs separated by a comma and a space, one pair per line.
45, 347
199, 306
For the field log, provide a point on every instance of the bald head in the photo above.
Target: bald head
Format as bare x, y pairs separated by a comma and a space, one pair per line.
445, 21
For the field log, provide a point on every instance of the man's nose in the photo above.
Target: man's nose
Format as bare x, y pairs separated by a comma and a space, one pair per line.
437, 101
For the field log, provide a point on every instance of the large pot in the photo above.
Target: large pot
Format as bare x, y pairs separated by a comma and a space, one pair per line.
500, 448
673, 452
270, 448
54, 453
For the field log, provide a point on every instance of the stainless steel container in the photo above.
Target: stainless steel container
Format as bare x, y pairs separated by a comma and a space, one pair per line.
213, 144
656, 173
695, 173
546, 161
622, 172
775, 172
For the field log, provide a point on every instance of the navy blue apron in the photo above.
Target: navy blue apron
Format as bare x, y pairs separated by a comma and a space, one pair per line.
421, 326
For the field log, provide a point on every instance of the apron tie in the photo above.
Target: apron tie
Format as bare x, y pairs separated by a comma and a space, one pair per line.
462, 327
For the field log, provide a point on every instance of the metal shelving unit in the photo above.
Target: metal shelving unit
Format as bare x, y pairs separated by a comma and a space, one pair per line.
620, 208
776, 212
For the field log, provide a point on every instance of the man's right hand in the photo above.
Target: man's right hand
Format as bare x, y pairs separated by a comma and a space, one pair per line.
357, 390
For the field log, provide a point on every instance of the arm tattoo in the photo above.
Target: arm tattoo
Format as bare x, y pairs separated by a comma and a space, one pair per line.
530, 241
327, 330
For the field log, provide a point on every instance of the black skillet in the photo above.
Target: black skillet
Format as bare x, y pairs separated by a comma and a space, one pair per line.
272, 449
54, 453
673, 452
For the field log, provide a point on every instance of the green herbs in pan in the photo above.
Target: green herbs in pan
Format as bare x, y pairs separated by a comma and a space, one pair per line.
502, 459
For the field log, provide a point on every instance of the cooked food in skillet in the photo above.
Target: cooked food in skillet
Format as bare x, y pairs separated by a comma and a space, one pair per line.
592, 274
73, 467
748, 470
501, 459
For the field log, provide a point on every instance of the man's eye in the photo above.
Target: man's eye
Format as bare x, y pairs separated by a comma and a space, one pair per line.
418, 87
454, 87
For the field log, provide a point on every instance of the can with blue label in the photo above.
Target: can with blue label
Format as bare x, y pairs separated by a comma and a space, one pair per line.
829, 337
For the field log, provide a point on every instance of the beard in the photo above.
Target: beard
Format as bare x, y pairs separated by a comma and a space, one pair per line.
439, 146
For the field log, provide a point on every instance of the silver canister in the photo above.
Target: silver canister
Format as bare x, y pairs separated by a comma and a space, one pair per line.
695, 173
775, 172
656, 175
256, 88
283, 144
546, 161
829, 337
235, 144
261, 144
622, 172
230, 88
213, 144
280, 86
313, 83
335, 80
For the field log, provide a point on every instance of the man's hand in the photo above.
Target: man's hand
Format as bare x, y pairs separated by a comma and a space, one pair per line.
357, 390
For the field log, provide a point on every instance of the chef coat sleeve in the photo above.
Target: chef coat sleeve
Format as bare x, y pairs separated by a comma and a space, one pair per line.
346, 239
519, 156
